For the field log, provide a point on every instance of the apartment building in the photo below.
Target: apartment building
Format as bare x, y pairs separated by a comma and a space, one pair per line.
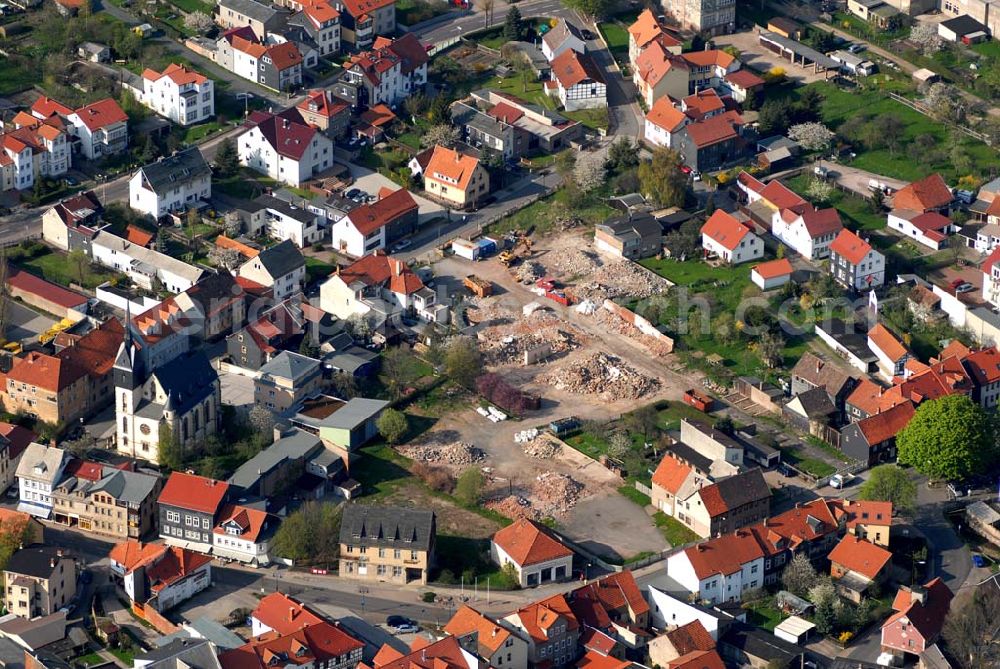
179, 94
38, 581
172, 184
716, 17
389, 544
190, 508
107, 501
284, 149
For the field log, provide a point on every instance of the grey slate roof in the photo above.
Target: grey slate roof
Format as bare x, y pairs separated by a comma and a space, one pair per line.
281, 259
289, 365
744, 488
821, 373
203, 628
293, 445
286, 208
125, 486
179, 168
393, 527
816, 403
562, 31
465, 115
758, 643
964, 25
182, 654
354, 413
255, 10
34, 561
633, 225
187, 380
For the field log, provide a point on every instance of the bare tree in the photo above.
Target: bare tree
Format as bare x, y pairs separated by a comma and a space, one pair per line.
442, 134
200, 22
487, 6
589, 169
812, 136
972, 631
925, 37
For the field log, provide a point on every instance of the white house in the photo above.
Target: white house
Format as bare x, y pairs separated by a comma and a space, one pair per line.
929, 228
991, 278
854, 263
562, 37
668, 612
725, 237
772, 274
282, 220
172, 184
102, 128
244, 534
284, 149
391, 71
578, 82
38, 472
988, 236
143, 265
370, 227
807, 231
663, 121
181, 95
33, 148
282, 268
720, 570
158, 575
383, 285
535, 554
892, 355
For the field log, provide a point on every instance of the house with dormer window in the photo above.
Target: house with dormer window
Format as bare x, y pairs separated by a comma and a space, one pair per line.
390, 544
244, 534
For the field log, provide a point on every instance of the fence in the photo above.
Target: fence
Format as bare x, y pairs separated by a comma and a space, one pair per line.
923, 109
643, 488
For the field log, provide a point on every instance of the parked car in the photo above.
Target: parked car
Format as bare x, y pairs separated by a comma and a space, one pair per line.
401, 244
402, 624
587, 35
962, 286
857, 47
786, 471
839, 481
70, 181
978, 560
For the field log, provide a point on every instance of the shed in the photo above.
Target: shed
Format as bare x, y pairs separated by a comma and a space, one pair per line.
785, 27
794, 629
925, 76
957, 28
463, 248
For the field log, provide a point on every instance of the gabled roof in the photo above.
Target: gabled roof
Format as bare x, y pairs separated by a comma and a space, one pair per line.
724, 555
197, 493
722, 228
46, 107
323, 103
56, 294
451, 167
289, 138
655, 61
881, 427
774, 268
860, 556
926, 616
803, 523
387, 526
850, 247
178, 74
735, 491
528, 543
561, 32
251, 522
715, 129
664, 115
931, 192
101, 114
702, 103
95, 351
571, 68
284, 614
47, 372
699, 659
671, 474
820, 373
744, 79
370, 217
866, 512
315, 645
983, 366
442, 654
690, 638
886, 342
78, 209
357, 8
490, 635
281, 259
820, 222
284, 55
708, 58
180, 168
645, 29
380, 269
538, 617
613, 597
872, 398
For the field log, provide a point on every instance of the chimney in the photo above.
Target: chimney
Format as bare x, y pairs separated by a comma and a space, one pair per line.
52, 563
291, 613
699, 547
819, 366
397, 267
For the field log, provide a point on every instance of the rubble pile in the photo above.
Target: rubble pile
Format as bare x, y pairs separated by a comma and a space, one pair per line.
512, 506
529, 271
601, 374
571, 262
487, 309
615, 324
540, 448
506, 343
555, 494
455, 453
622, 278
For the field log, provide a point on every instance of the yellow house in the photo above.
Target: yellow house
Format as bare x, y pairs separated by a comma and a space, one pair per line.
456, 179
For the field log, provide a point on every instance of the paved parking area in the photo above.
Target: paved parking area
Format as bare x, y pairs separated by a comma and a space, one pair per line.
371, 182
237, 390
758, 58
24, 323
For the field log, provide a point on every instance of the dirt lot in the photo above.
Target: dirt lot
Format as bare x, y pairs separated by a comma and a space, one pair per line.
758, 58
596, 372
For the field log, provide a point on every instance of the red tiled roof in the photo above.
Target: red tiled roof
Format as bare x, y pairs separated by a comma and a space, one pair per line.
378, 116
537, 617
45, 107
670, 474
860, 556
571, 68
129, 554
370, 217
597, 641
616, 592
991, 259
285, 55
178, 74
246, 251
505, 112
724, 229
774, 268
709, 57
927, 617
593, 659
782, 197
849, 246
655, 61
931, 221
45, 371
703, 103
452, 165
318, 102
314, 645
886, 342
287, 137
528, 543
357, 8
820, 222
442, 654
691, 637
29, 283
645, 29
866, 512
663, 114
931, 192
466, 620
699, 659
378, 268
744, 79
189, 491
137, 235
984, 365
713, 130
19, 438
284, 614
250, 521
886, 425
101, 114
724, 555
803, 523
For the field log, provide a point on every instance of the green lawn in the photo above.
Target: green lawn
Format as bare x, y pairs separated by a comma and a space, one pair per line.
545, 212
380, 470
628, 490
816, 467
989, 48
469, 558
14, 77
198, 132
246, 185
193, 6
411, 139
855, 211
616, 35
588, 443
127, 656
530, 91
55, 267
673, 530
838, 106
89, 660
317, 269
596, 119
670, 418
829, 449
696, 274
764, 615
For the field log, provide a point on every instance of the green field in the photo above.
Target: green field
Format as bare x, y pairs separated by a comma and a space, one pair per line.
544, 213
55, 267
675, 532
192, 6
14, 76
855, 212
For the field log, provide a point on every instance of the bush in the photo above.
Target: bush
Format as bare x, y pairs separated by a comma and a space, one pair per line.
495, 389
436, 478
429, 597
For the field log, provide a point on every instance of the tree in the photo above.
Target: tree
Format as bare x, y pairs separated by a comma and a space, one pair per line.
724, 326
619, 445
227, 160
79, 261
948, 438
662, 179
825, 616
624, 154
15, 533
589, 172
462, 361
769, 348
799, 575
224, 257
819, 191
487, 6
311, 533
812, 136
469, 486
392, 425
773, 116
644, 421
593, 8
513, 26
442, 134
261, 419
232, 226
169, 452
889, 483
925, 37
199, 22
971, 631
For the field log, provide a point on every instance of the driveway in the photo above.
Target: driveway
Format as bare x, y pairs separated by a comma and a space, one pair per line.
758, 58
24, 323
856, 181
371, 182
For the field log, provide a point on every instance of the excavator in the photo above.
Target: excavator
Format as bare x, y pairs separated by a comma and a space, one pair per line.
510, 256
